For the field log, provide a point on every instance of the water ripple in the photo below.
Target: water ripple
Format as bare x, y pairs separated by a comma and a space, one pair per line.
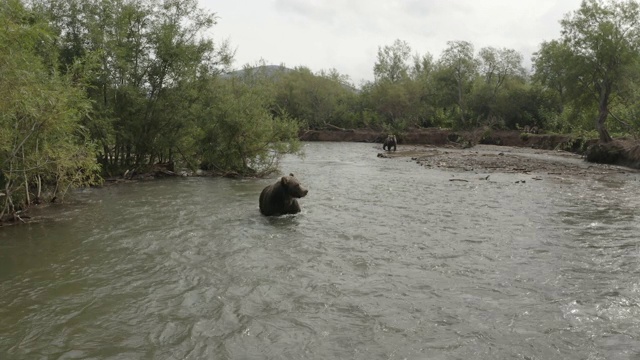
386, 261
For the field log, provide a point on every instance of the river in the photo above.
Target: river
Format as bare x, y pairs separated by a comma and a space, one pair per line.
387, 260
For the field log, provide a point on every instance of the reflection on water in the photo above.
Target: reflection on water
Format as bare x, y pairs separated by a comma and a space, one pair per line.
386, 260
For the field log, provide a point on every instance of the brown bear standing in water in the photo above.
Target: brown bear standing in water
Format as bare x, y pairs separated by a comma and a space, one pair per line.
280, 198
389, 142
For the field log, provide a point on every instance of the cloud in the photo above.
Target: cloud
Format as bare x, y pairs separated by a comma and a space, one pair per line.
346, 34
316, 11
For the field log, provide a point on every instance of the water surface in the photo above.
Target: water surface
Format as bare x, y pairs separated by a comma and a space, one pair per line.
387, 260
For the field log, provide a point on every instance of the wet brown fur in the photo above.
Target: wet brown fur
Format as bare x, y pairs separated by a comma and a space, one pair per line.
280, 198
389, 142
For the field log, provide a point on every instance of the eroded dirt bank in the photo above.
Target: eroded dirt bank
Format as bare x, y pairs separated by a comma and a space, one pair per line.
440, 137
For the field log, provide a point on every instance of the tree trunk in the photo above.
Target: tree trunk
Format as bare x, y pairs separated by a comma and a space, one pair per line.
602, 130
603, 113
39, 184
26, 179
461, 103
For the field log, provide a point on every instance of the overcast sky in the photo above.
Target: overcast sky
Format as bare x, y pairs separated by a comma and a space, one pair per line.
346, 34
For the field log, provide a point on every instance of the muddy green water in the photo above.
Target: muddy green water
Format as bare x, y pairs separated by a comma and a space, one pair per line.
387, 260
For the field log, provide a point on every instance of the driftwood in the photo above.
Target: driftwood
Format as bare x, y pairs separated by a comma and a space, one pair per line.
166, 172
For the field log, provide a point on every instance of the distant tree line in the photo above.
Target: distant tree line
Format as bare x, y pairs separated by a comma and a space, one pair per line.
585, 81
91, 88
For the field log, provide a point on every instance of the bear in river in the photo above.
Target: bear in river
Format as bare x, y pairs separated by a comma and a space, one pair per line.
280, 198
389, 142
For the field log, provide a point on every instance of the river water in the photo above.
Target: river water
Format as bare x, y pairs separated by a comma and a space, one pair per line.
387, 260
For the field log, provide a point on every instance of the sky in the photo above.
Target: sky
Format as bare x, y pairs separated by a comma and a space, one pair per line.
346, 34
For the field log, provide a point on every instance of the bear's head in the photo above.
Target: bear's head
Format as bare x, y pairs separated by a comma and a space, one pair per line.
293, 187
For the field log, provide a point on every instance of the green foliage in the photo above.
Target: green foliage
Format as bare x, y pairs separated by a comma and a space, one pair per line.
391, 100
242, 136
459, 59
497, 66
145, 59
487, 136
392, 64
320, 101
590, 64
44, 150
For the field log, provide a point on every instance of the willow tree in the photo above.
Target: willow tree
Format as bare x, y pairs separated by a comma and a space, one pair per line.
498, 65
239, 132
43, 148
458, 59
146, 59
603, 44
550, 64
393, 62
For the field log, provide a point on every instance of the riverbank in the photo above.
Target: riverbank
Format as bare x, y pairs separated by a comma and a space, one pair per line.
483, 151
622, 152
447, 137
485, 160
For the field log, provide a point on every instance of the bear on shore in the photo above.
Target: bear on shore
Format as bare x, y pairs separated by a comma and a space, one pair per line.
389, 142
280, 198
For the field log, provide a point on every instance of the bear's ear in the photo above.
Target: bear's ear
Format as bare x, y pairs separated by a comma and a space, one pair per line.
291, 174
284, 180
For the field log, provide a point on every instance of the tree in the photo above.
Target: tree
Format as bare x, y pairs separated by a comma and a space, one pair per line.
239, 132
497, 65
459, 59
551, 67
391, 101
603, 39
145, 59
423, 91
44, 150
392, 64
318, 100
422, 66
